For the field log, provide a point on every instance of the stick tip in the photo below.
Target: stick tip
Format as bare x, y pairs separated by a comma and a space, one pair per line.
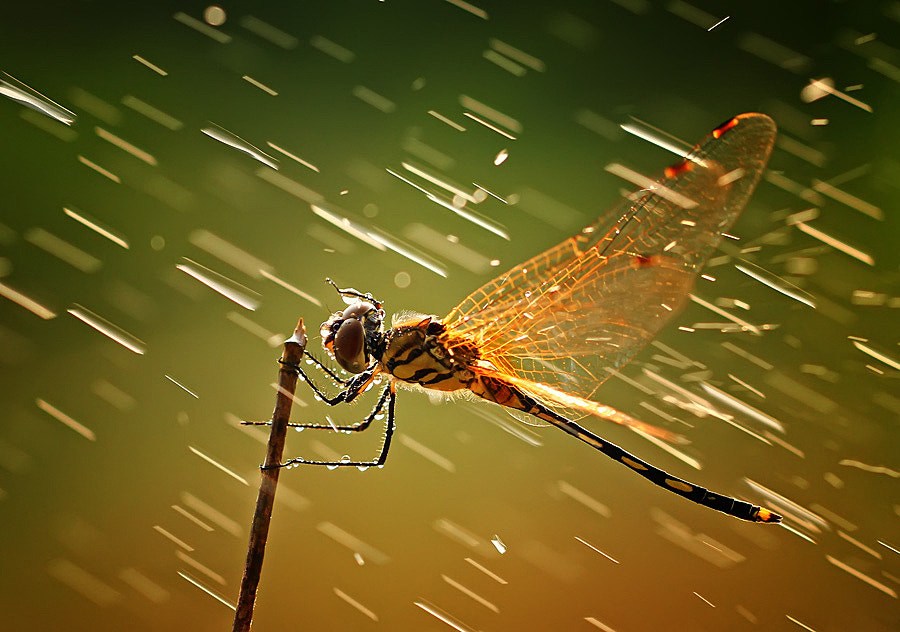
299, 336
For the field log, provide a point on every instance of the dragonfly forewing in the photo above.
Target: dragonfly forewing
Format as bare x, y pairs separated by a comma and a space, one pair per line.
573, 314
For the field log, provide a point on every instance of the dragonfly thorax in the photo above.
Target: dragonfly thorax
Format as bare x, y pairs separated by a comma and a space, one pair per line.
420, 350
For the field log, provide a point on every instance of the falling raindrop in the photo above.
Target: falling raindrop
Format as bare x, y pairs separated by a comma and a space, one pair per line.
19, 92
402, 280
214, 16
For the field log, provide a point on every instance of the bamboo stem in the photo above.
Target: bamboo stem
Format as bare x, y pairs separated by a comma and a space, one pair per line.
265, 500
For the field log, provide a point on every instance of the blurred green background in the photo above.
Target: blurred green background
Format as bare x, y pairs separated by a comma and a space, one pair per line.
101, 527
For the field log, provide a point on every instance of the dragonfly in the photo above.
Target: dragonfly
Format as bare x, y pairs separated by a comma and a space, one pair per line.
540, 338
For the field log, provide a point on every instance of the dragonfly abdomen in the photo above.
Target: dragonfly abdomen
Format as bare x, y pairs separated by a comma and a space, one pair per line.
509, 395
501, 392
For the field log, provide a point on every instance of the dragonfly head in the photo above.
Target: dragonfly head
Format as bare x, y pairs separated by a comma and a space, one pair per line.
353, 335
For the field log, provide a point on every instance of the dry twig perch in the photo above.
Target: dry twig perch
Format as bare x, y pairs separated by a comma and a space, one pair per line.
265, 500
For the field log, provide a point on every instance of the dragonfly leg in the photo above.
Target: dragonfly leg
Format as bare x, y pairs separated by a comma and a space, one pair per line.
326, 370
388, 394
357, 427
685, 489
355, 386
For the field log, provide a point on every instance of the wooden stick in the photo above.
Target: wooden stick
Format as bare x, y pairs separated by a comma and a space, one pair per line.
259, 532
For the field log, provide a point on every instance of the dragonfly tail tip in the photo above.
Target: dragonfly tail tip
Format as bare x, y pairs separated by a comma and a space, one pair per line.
765, 515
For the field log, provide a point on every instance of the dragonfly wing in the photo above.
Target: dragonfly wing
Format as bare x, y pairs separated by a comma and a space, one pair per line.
579, 311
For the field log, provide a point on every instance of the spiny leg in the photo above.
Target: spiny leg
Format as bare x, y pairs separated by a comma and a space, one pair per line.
695, 493
385, 446
355, 385
326, 370
357, 427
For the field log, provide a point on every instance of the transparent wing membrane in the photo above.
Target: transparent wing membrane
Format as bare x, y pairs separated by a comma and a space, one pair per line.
570, 315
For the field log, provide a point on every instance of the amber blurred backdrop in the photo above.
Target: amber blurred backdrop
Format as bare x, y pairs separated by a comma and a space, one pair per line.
170, 147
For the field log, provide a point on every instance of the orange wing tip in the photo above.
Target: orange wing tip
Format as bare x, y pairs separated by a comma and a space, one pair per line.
679, 168
764, 515
724, 127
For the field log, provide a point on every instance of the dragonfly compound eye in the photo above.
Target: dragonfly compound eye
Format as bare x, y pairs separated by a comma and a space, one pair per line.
349, 346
